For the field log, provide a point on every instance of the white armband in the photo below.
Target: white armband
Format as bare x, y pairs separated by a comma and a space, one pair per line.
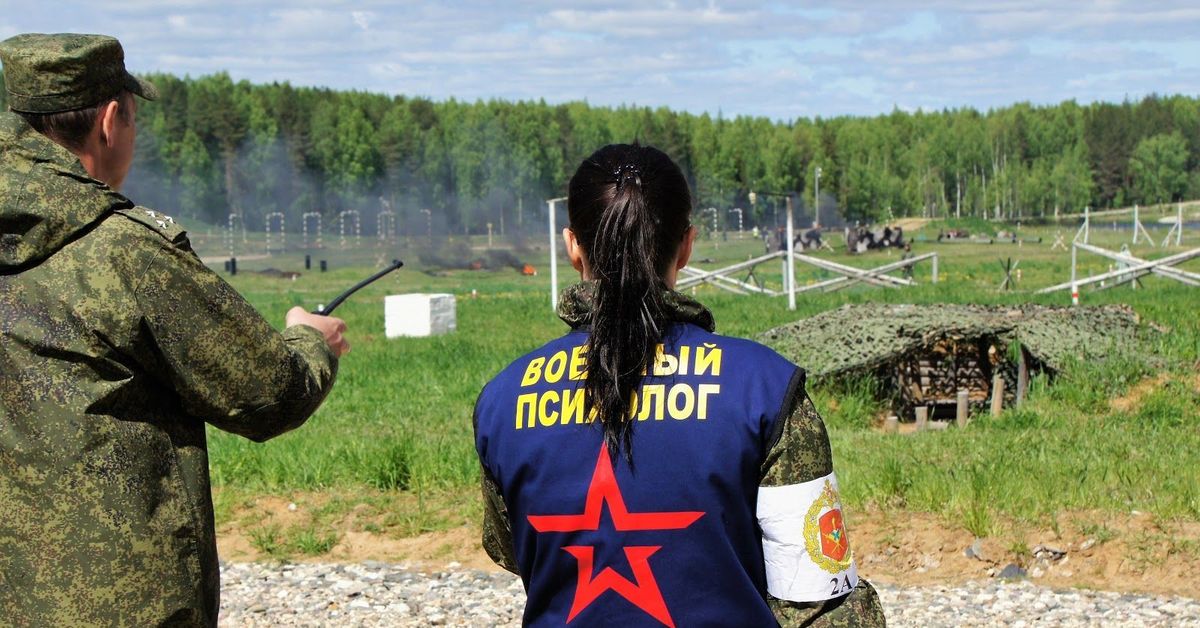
805, 546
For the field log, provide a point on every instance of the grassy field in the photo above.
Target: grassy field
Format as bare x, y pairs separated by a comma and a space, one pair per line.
395, 434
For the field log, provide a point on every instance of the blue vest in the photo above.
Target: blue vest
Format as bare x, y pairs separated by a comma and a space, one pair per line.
672, 539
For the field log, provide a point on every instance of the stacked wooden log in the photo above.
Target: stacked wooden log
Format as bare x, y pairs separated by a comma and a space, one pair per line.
934, 376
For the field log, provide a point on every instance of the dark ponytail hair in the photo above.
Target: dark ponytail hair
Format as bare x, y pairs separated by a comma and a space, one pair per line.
629, 207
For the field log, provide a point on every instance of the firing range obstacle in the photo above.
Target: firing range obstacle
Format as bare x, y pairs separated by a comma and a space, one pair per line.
850, 275
1176, 228
315, 218
1139, 229
722, 278
385, 226
272, 220
349, 213
229, 231
1129, 268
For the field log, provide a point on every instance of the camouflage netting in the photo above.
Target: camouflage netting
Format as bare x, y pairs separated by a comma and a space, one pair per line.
923, 354
859, 338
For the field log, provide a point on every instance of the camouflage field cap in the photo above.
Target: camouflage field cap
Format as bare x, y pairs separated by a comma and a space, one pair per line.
64, 72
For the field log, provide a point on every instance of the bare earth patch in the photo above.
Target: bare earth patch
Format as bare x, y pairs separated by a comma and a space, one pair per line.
1130, 552
910, 224
1133, 398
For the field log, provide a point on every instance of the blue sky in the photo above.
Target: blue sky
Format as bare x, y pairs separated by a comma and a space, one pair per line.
777, 59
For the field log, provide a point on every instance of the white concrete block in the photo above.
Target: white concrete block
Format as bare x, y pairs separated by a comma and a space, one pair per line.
418, 314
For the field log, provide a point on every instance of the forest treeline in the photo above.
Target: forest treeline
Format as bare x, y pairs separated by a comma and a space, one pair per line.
211, 146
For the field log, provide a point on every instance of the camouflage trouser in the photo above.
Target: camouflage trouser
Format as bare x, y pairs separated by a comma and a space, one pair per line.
861, 608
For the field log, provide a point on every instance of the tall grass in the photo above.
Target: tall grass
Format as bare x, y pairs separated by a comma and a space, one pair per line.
400, 416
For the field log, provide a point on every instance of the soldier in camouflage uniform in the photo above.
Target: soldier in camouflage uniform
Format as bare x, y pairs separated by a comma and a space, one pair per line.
117, 345
720, 500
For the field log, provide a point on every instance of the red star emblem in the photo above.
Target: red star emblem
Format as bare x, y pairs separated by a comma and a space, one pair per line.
643, 592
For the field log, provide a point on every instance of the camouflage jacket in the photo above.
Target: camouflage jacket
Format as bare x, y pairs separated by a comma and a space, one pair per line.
801, 454
116, 346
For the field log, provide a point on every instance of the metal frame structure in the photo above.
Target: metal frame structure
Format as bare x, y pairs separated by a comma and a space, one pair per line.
304, 227
789, 274
739, 215
692, 277
1134, 268
1176, 229
385, 225
269, 220
342, 227
1139, 230
850, 275
1085, 229
875, 276
229, 231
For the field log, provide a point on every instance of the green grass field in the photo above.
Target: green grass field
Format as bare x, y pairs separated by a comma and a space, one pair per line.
399, 420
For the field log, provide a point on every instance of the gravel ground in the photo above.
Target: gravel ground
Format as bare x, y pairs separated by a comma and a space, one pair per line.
381, 594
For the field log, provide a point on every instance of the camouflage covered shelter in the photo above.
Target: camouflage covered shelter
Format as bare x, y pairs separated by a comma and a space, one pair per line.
925, 354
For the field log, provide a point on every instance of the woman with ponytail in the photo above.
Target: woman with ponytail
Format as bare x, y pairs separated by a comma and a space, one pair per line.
642, 470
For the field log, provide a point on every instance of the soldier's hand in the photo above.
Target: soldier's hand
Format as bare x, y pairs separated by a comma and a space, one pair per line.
330, 327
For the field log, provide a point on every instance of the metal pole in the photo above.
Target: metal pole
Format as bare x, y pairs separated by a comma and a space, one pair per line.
791, 259
553, 254
1179, 223
553, 261
817, 200
1074, 256
1136, 222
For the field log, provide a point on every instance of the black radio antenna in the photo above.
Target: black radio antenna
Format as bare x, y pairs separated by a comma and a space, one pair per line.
326, 309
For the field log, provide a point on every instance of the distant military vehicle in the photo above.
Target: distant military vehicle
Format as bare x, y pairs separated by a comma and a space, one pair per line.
809, 240
862, 239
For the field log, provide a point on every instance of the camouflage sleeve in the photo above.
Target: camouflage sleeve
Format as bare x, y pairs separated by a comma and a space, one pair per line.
227, 364
801, 453
497, 532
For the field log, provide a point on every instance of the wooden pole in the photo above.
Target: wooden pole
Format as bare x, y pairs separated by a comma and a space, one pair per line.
922, 418
1022, 378
997, 394
891, 425
960, 416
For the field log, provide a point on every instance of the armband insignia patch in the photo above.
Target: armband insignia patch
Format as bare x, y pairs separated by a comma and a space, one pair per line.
805, 545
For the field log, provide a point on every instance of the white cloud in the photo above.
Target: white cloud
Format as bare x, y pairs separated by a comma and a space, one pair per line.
363, 19
736, 56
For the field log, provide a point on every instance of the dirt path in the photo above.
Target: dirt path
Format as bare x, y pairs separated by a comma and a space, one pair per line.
216, 259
